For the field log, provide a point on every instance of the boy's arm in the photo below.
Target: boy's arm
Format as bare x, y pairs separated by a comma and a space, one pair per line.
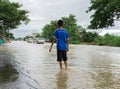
68, 45
52, 44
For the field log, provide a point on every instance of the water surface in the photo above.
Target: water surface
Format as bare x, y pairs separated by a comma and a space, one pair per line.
90, 67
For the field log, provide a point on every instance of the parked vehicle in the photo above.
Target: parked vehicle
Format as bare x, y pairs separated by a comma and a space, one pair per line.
40, 41
30, 40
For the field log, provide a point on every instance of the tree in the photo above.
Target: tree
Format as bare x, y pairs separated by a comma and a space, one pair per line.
11, 16
38, 35
105, 13
70, 24
10, 35
87, 36
48, 30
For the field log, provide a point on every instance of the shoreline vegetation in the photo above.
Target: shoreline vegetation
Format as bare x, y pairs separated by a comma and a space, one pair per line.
89, 38
106, 40
78, 34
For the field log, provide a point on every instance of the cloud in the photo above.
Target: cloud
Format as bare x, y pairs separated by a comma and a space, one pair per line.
42, 12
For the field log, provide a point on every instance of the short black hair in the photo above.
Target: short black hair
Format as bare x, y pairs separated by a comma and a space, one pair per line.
60, 22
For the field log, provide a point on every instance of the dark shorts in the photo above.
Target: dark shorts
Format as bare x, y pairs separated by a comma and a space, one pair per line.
61, 55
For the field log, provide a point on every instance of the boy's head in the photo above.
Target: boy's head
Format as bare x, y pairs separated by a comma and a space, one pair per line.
60, 23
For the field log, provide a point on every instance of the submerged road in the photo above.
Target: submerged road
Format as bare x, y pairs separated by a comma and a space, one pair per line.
30, 66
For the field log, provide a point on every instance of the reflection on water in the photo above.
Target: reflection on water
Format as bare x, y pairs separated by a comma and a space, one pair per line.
62, 78
102, 64
102, 68
90, 67
104, 79
8, 74
12, 73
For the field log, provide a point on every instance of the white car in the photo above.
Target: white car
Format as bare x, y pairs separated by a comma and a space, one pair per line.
40, 41
30, 40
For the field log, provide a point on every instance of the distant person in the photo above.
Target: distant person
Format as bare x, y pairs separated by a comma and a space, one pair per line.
62, 38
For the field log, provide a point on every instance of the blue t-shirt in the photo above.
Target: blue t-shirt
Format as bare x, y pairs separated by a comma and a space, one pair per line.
62, 36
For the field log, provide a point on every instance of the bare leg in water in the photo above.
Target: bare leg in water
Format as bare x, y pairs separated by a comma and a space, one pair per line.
65, 62
60, 63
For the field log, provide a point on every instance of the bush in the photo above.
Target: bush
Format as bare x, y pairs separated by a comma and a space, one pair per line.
75, 42
88, 36
109, 40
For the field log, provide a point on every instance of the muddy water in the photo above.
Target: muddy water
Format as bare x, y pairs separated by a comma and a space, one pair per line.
90, 67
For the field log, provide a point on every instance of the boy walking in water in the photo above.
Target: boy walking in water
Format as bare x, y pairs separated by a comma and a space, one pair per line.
61, 35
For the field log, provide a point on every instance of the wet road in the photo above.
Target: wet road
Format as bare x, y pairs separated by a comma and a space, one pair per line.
90, 67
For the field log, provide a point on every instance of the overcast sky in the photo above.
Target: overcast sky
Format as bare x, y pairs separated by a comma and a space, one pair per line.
42, 12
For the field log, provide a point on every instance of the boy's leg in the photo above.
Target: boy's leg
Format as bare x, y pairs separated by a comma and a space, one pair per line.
64, 54
65, 62
60, 63
59, 58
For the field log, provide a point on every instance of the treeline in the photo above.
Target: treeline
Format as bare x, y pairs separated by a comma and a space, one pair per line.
109, 40
70, 24
94, 38
78, 34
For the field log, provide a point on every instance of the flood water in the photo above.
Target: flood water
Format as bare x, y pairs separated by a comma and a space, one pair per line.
31, 66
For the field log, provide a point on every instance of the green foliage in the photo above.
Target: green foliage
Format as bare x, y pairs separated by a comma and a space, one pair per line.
27, 37
88, 36
109, 40
48, 30
38, 35
11, 15
105, 11
10, 35
70, 25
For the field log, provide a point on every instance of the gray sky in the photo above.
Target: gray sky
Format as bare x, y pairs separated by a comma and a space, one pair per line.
42, 12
